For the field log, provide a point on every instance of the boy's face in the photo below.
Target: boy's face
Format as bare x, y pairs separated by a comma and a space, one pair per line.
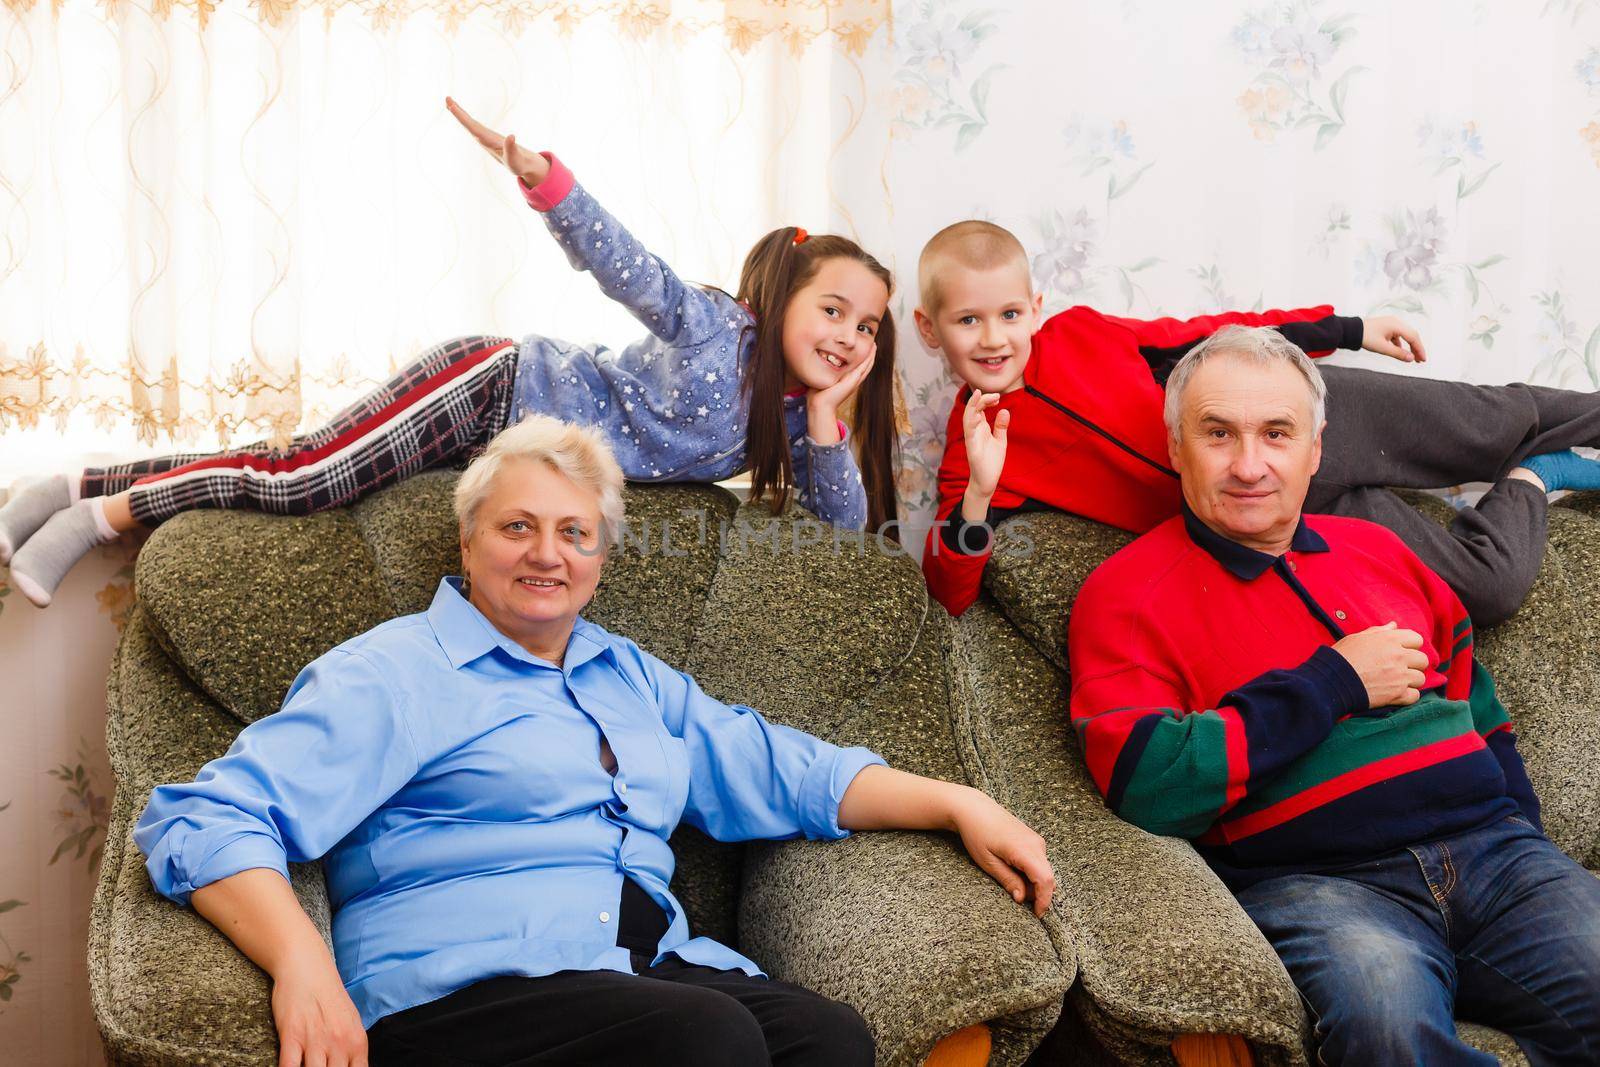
984, 324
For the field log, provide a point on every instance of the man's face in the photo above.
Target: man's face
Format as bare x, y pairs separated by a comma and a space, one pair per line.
984, 324
1246, 449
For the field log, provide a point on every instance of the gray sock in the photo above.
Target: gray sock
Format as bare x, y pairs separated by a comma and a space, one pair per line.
29, 507
38, 566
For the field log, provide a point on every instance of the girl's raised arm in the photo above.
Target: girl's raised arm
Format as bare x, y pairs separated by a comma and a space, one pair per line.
596, 242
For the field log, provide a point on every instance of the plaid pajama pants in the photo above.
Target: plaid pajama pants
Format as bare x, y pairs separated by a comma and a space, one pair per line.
442, 408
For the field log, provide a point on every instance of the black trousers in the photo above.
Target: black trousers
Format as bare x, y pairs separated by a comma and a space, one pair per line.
1417, 433
670, 1014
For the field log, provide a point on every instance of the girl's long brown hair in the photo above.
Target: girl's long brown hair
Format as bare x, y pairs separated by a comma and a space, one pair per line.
774, 271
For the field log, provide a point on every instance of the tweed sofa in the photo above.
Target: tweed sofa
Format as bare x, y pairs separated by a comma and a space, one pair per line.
1163, 949
844, 644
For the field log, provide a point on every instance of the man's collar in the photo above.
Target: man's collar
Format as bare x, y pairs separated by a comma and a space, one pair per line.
1242, 561
465, 634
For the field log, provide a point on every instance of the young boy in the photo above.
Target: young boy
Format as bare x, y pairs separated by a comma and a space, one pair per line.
1083, 394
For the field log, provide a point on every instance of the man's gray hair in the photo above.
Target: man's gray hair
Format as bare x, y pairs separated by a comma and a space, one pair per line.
1260, 345
581, 453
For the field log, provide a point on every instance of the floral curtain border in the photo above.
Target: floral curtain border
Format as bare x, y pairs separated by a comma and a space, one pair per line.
851, 23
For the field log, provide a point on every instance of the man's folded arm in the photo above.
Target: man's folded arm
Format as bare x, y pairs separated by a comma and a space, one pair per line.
1173, 768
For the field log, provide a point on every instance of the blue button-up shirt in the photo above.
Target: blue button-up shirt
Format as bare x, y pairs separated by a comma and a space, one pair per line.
452, 783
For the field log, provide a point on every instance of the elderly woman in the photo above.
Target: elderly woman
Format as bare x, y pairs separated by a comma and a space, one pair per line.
491, 784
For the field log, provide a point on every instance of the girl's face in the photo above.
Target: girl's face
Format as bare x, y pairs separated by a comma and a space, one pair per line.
831, 324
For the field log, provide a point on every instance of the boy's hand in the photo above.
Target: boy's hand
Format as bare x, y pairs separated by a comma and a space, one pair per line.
986, 445
531, 167
1383, 333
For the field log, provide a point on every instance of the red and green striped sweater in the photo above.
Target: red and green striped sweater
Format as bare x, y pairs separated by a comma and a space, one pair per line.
1211, 705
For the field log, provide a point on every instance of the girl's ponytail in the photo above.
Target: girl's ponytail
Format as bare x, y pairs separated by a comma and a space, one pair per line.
877, 434
768, 279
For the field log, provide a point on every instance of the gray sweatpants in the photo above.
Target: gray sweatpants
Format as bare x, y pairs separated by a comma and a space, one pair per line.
1417, 433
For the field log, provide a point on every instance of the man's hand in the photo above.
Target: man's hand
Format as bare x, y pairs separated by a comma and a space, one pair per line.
1390, 662
1383, 333
531, 167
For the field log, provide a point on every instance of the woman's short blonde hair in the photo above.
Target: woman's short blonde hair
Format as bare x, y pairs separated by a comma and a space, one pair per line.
580, 453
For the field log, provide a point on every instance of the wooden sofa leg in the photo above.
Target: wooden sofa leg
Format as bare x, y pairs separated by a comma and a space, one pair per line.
1212, 1050
967, 1047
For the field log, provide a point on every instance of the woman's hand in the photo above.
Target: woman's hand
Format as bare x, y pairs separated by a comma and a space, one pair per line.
822, 405
1383, 333
881, 798
530, 167
318, 1025
1007, 848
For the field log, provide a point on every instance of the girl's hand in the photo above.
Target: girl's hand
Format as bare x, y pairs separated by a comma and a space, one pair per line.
1383, 334
986, 445
317, 1022
1007, 848
530, 167
822, 405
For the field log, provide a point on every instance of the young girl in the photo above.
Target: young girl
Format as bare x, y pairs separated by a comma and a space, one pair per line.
721, 384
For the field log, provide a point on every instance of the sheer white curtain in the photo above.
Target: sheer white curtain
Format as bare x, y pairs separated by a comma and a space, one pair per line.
223, 222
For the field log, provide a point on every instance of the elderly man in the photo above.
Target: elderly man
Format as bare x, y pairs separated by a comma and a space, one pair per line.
1297, 695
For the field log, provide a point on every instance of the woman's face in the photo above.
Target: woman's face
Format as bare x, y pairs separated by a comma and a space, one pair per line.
534, 558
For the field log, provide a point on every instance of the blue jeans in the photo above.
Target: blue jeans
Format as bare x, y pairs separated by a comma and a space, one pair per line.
1498, 926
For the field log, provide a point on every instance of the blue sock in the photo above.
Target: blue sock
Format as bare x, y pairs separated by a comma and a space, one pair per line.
1565, 470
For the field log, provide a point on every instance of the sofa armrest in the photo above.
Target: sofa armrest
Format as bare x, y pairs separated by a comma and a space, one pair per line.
1163, 948
166, 986
905, 928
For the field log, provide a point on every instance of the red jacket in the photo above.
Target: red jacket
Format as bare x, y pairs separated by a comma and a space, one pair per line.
1086, 434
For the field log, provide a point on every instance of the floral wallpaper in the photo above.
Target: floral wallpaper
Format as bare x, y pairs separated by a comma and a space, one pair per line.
55, 797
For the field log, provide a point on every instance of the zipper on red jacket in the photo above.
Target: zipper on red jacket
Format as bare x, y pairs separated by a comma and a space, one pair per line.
1129, 449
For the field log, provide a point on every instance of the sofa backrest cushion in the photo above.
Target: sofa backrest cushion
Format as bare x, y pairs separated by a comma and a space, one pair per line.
801, 626
243, 600
1040, 561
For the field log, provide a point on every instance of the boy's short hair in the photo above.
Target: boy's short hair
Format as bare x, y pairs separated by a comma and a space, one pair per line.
974, 244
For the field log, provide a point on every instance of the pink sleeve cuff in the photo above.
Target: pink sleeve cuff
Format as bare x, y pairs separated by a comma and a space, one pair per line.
550, 192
